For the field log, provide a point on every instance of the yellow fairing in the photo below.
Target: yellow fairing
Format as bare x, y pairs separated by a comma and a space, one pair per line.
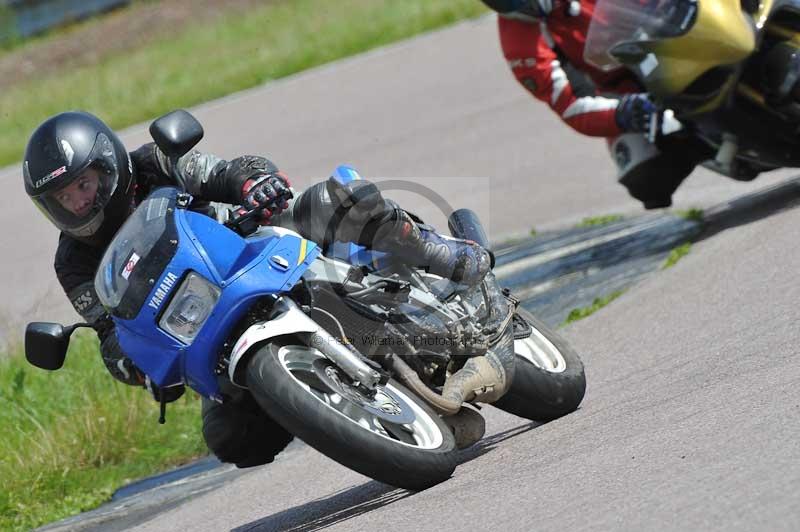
721, 35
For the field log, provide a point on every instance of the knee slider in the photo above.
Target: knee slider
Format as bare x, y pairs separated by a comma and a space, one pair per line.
225, 433
243, 438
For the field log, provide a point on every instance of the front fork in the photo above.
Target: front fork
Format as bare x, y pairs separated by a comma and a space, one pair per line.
290, 319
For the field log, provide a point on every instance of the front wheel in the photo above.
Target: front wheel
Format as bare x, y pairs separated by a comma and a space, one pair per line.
391, 436
549, 379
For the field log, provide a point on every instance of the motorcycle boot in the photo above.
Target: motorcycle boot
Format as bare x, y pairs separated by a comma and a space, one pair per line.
365, 217
462, 261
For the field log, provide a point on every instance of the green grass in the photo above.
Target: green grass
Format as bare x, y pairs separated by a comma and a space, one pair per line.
205, 62
695, 215
600, 302
72, 437
600, 220
676, 254
7, 28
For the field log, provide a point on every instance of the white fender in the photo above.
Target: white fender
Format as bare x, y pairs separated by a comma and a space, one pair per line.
291, 321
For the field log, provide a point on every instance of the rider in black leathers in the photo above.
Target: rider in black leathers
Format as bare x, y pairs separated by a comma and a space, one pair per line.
81, 177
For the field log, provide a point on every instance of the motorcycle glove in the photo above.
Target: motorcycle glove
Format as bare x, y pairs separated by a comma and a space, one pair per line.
120, 366
271, 192
635, 113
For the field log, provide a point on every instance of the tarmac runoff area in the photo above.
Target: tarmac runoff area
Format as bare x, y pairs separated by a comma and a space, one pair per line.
551, 274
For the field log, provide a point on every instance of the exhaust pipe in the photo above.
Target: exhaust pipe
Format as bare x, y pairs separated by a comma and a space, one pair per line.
483, 378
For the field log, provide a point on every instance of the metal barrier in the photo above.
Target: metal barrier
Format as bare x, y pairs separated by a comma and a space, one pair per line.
24, 18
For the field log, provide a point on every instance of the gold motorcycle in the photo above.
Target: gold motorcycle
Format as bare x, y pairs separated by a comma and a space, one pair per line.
728, 70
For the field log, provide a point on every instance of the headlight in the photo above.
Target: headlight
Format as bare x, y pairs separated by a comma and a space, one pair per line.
190, 308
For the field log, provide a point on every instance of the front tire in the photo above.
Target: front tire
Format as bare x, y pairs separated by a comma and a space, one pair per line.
549, 380
299, 388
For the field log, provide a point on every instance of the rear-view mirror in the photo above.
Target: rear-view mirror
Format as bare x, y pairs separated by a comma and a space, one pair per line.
46, 344
176, 133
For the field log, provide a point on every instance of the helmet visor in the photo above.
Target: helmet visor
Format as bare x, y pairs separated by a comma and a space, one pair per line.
77, 207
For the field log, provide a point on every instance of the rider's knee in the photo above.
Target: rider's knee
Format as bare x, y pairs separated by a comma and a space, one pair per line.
238, 435
330, 211
649, 174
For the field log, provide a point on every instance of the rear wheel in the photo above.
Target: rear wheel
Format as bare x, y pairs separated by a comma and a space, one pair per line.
391, 435
549, 379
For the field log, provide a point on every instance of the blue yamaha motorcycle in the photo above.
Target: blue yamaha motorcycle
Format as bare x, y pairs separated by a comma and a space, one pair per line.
370, 361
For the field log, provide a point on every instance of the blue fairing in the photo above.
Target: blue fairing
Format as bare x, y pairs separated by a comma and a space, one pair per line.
161, 244
244, 270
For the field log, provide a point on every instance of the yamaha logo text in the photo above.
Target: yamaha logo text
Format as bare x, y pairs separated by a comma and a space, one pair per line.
162, 291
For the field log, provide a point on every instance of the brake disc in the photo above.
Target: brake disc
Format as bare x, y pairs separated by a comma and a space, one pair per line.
381, 404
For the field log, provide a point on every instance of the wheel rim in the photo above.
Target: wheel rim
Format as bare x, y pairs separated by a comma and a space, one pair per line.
540, 352
418, 428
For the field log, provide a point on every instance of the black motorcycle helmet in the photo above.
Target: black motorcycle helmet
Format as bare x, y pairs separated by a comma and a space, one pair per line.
74, 145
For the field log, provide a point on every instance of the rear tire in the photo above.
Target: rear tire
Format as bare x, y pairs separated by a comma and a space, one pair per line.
549, 379
284, 377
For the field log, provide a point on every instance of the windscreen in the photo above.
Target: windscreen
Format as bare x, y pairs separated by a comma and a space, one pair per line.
620, 21
138, 255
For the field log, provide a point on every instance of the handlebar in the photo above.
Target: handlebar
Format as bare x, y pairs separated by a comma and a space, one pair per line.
244, 224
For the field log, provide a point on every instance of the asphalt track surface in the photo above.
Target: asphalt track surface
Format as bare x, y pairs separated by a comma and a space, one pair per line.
692, 411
